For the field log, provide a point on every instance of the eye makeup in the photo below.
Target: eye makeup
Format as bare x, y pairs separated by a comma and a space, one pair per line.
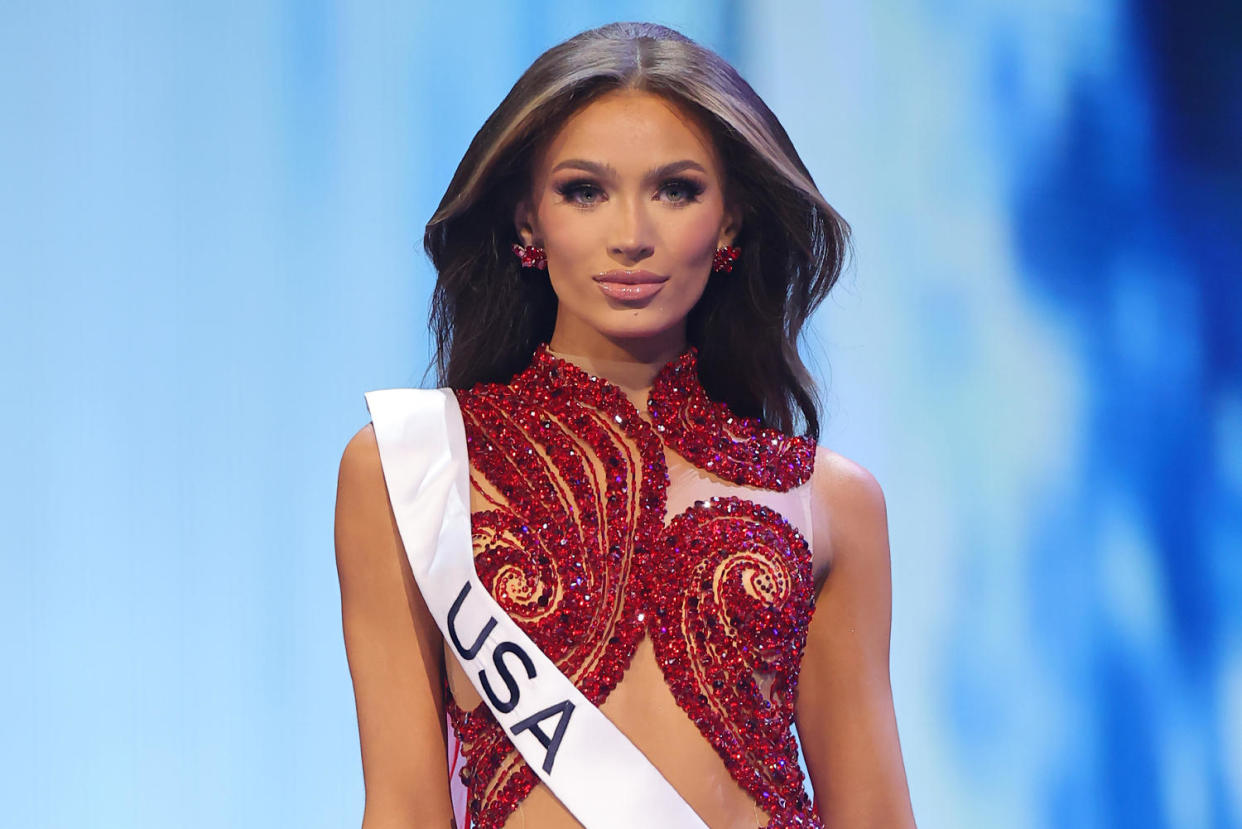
571, 190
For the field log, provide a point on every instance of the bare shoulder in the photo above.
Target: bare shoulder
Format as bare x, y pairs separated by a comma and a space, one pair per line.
365, 527
848, 508
839, 480
361, 455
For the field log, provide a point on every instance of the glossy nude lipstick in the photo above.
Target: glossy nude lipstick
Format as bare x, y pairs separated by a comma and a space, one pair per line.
629, 285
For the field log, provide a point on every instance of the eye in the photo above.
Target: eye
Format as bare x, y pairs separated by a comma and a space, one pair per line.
682, 191
580, 192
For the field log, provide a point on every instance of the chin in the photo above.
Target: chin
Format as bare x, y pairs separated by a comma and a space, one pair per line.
639, 326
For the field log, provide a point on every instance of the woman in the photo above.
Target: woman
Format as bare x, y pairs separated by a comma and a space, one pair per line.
626, 256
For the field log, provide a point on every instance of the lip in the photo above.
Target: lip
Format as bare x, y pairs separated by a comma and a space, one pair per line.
628, 277
630, 285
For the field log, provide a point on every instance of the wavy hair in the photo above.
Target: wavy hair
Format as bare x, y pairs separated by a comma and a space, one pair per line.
488, 316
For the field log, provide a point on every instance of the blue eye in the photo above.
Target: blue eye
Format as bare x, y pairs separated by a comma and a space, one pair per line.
584, 193
682, 191
579, 192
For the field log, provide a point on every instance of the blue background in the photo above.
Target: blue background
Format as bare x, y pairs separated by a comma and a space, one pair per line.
210, 234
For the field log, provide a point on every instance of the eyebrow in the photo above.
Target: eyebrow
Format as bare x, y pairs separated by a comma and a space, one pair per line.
606, 170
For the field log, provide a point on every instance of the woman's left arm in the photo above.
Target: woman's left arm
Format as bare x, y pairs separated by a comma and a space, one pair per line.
844, 710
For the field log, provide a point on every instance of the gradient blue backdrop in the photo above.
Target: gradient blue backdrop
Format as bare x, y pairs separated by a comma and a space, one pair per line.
210, 236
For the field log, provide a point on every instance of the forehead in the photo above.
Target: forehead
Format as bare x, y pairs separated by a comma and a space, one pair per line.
632, 128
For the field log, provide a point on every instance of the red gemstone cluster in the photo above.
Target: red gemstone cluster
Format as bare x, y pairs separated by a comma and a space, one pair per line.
722, 261
574, 547
739, 606
706, 433
531, 256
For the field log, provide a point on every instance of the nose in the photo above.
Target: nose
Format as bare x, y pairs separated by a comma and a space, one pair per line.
632, 238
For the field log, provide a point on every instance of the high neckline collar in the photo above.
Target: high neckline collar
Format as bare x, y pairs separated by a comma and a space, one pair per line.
680, 412
615, 372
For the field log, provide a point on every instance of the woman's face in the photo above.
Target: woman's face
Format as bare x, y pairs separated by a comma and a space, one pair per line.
628, 202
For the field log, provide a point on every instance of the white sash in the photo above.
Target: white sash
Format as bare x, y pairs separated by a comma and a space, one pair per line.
591, 767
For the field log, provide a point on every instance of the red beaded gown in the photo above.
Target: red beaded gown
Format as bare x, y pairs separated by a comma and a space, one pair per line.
657, 548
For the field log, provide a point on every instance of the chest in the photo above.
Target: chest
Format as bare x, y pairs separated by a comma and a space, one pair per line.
592, 531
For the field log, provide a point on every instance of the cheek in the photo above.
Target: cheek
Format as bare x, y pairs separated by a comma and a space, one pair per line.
698, 226
573, 249
571, 237
697, 237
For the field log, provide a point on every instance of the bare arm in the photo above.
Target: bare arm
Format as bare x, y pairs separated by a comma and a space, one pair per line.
395, 653
844, 711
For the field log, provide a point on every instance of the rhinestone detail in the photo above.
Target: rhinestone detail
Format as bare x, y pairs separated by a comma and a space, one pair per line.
706, 433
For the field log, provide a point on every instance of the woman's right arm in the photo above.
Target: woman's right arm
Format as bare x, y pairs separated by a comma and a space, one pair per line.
395, 653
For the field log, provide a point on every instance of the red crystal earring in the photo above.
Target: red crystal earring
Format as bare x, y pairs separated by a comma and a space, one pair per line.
532, 256
725, 256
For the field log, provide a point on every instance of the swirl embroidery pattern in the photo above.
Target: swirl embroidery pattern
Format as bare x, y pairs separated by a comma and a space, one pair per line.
573, 546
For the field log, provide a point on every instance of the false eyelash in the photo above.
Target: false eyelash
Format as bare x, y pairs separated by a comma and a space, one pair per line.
567, 190
693, 189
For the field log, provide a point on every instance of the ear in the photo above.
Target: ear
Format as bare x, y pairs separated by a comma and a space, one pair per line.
731, 225
524, 222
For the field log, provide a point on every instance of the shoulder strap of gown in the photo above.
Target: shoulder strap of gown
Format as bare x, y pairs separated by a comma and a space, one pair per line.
591, 767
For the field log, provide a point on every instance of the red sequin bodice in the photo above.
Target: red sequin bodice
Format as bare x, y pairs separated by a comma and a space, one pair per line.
573, 545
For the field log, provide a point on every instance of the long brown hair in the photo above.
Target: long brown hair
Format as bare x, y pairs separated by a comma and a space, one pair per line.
488, 315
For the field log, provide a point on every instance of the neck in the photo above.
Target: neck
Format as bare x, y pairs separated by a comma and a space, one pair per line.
630, 364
